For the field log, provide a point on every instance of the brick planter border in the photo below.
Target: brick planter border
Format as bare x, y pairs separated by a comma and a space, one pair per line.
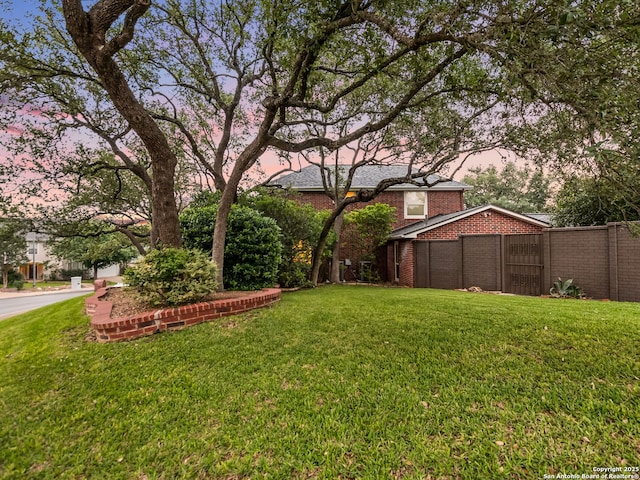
147, 323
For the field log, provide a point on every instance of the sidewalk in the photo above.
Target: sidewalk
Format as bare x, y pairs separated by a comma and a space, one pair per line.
30, 292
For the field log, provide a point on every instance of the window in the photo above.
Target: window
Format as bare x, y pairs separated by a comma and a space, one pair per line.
415, 204
32, 250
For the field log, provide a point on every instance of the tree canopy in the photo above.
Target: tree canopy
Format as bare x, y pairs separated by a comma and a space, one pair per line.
95, 252
589, 200
520, 189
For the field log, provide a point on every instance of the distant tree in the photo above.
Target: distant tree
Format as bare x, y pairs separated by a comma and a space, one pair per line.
519, 189
588, 100
13, 246
586, 201
98, 189
95, 252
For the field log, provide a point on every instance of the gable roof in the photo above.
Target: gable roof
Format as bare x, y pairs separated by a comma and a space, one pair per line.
412, 231
367, 176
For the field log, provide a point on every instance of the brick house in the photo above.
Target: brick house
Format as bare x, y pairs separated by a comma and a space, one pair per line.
435, 212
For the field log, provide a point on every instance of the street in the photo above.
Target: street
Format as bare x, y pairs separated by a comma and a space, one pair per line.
20, 304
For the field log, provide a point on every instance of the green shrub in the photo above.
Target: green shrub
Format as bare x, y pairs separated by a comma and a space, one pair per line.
566, 289
14, 275
196, 224
252, 249
300, 227
172, 276
366, 230
17, 284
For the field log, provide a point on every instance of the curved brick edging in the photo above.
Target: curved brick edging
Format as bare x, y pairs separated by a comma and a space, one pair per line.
147, 323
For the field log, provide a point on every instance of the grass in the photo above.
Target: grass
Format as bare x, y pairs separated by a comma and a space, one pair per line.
336, 382
28, 284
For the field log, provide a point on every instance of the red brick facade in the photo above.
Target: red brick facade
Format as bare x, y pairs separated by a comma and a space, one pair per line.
438, 203
481, 223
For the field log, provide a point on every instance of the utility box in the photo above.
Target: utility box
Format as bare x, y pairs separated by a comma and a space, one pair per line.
76, 283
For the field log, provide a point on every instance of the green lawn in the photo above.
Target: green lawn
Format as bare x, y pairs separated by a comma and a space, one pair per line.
336, 382
28, 284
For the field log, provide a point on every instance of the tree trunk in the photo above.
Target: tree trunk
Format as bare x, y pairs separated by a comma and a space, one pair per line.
95, 271
335, 257
220, 228
322, 243
88, 31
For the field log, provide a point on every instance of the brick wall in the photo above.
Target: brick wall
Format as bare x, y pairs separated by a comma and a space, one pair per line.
406, 263
116, 329
581, 254
482, 261
625, 260
443, 202
438, 202
490, 222
483, 223
603, 261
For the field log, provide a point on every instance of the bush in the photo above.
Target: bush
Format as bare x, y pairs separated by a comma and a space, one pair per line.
18, 284
252, 250
196, 224
367, 229
566, 289
13, 276
172, 276
300, 227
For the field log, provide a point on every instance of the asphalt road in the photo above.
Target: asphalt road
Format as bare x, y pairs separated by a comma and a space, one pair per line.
15, 305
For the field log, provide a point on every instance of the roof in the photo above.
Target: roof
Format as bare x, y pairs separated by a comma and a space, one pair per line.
543, 217
367, 176
412, 231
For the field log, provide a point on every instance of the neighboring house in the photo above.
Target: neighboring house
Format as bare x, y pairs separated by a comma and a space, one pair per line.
48, 266
422, 213
38, 255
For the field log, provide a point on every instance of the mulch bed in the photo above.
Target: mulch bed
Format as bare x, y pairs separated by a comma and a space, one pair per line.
126, 304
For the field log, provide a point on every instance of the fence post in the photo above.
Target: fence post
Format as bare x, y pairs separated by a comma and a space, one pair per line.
499, 262
546, 261
461, 262
614, 293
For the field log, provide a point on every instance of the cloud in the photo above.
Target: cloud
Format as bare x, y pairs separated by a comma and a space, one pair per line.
14, 130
